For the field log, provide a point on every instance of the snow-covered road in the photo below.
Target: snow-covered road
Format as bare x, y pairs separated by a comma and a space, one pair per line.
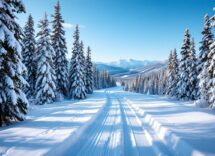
112, 122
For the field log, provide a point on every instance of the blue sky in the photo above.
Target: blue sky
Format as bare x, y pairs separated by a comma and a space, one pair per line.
123, 29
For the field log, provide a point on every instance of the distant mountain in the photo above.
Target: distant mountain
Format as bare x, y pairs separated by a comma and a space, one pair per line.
132, 63
127, 69
141, 71
111, 69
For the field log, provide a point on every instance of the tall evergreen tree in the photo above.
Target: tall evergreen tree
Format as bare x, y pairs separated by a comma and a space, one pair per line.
173, 74
77, 88
205, 44
170, 74
193, 73
59, 59
13, 102
183, 84
45, 82
203, 100
89, 72
211, 69
203, 63
29, 55
96, 78
83, 62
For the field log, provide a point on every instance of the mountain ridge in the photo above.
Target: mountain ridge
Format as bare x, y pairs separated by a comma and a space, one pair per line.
130, 68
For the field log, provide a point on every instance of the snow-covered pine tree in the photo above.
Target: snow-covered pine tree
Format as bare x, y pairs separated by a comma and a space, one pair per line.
211, 69
13, 102
77, 88
29, 56
175, 67
205, 44
96, 78
184, 67
203, 63
203, 100
193, 72
89, 72
45, 82
83, 63
172, 74
59, 60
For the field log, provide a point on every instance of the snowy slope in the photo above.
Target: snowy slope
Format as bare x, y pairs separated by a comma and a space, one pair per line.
132, 63
111, 69
120, 72
141, 71
50, 127
113, 122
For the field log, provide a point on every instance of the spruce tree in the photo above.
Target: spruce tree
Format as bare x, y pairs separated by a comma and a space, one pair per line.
45, 82
59, 59
13, 102
170, 74
205, 44
175, 67
203, 100
77, 88
211, 69
203, 63
83, 62
193, 73
29, 55
89, 72
173, 74
96, 78
183, 84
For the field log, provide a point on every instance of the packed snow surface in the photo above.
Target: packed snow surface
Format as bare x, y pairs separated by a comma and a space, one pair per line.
112, 122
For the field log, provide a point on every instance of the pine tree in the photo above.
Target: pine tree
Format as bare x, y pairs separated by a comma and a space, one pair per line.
45, 82
211, 69
95, 78
193, 73
29, 55
83, 63
89, 72
13, 102
203, 100
203, 63
205, 44
77, 76
170, 74
59, 59
173, 74
184, 66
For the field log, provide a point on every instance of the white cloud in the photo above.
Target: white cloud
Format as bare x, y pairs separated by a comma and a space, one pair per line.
71, 26
68, 25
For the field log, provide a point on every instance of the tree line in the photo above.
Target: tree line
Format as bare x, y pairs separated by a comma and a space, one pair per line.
192, 77
34, 67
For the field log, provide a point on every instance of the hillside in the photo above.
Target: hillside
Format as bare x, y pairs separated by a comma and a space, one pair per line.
128, 71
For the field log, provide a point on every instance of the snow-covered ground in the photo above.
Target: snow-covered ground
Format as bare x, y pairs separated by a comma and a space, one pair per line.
112, 122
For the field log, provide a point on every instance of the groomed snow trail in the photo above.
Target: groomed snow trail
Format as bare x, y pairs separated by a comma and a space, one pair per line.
112, 122
116, 132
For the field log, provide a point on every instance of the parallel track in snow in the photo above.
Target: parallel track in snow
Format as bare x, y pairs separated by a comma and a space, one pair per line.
116, 132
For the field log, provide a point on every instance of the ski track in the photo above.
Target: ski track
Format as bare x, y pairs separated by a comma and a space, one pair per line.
110, 122
117, 132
